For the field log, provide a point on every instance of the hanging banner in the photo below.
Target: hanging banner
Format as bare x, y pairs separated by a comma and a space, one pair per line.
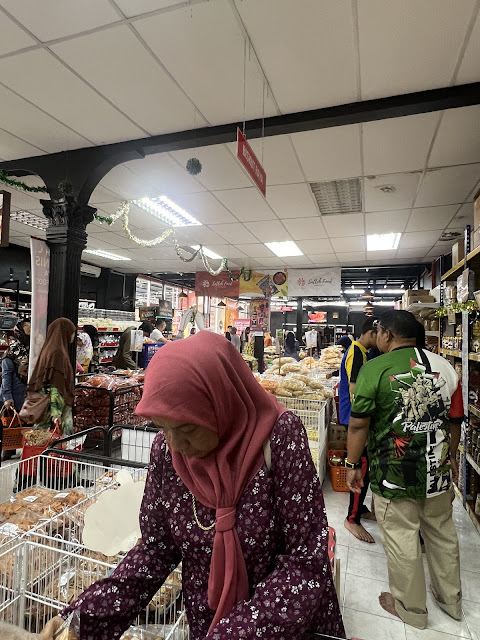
251, 163
315, 282
260, 314
221, 286
40, 259
266, 285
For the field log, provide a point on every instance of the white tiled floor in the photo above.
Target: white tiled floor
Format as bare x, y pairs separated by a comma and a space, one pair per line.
363, 569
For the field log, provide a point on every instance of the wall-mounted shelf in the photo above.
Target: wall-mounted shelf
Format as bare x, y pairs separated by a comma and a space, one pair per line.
473, 463
451, 352
474, 410
474, 356
418, 306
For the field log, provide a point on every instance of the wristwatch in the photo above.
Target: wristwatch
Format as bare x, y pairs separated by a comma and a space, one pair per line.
353, 465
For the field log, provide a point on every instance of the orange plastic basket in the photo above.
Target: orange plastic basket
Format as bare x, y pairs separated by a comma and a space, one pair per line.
12, 438
338, 475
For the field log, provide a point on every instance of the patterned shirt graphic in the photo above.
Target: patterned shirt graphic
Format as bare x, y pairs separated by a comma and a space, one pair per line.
411, 397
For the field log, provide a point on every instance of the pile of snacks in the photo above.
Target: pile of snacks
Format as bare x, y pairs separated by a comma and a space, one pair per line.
107, 400
331, 358
293, 385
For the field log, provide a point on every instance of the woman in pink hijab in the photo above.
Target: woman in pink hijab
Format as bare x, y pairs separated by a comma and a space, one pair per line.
232, 492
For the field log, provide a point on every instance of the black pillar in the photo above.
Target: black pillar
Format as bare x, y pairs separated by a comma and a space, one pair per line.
299, 318
67, 238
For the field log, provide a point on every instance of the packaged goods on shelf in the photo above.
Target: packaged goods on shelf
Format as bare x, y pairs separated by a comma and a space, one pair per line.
458, 252
331, 358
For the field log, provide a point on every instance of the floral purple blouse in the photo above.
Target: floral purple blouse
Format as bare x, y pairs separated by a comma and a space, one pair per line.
282, 526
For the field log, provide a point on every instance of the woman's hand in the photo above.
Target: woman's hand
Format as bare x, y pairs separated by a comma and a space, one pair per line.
51, 628
9, 403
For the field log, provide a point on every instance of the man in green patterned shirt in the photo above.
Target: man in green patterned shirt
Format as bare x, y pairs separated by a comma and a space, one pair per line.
408, 404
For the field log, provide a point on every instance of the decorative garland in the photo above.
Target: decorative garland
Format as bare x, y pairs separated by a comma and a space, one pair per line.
457, 307
20, 185
243, 272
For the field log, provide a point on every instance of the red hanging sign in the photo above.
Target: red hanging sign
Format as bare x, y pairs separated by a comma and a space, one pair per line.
251, 163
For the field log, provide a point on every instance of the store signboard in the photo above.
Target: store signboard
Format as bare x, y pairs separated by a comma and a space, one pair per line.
136, 340
315, 282
5, 198
251, 163
241, 325
260, 314
148, 313
40, 261
317, 316
284, 309
164, 309
220, 286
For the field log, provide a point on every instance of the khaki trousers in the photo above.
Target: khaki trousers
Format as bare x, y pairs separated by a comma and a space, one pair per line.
399, 522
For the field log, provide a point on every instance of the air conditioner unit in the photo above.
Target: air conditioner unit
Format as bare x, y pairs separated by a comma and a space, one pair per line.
90, 270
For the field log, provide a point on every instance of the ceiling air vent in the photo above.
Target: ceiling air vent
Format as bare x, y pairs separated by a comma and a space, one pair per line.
338, 196
449, 235
25, 217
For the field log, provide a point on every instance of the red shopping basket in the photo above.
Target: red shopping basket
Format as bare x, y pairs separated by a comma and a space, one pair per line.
56, 466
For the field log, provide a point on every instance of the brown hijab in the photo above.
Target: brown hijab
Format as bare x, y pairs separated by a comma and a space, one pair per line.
53, 364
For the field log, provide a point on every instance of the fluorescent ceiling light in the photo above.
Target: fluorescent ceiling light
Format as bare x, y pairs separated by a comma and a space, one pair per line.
385, 303
383, 241
105, 254
31, 220
284, 249
207, 252
167, 211
357, 303
353, 292
388, 292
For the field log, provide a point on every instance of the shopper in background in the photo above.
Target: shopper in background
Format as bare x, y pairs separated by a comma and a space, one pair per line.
193, 331
15, 371
228, 333
235, 339
84, 351
157, 333
408, 403
123, 356
91, 331
233, 493
353, 360
291, 347
54, 374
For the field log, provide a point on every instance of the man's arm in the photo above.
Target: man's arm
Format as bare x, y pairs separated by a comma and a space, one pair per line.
356, 441
455, 434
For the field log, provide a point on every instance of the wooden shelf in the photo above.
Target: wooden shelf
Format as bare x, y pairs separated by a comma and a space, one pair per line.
432, 334
474, 356
473, 463
418, 306
455, 271
474, 410
450, 352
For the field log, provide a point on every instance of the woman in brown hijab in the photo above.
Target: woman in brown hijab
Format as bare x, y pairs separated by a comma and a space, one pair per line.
53, 374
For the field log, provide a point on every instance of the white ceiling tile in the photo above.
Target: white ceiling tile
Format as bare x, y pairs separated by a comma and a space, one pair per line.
315, 247
13, 37
409, 38
329, 154
345, 245
205, 208
381, 255
458, 139
415, 252
248, 263
350, 257
220, 169
202, 235
464, 215
127, 184
327, 260
386, 221
165, 175
299, 262
226, 251
23, 200
345, 224
419, 239
58, 19
269, 231
28, 123
246, 204
429, 218
12, 147
255, 250
102, 195
447, 186
305, 228
438, 250
397, 144
292, 201
405, 185
306, 49
470, 69
145, 99
234, 233
132, 8
211, 31
279, 160
273, 263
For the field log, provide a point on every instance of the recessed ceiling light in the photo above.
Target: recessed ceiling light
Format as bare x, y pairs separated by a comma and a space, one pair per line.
105, 254
207, 252
383, 241
387, 292
338, 196
30, 219
167, 211
284, 249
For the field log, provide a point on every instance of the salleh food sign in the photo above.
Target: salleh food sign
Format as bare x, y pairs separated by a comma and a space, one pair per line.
315, 282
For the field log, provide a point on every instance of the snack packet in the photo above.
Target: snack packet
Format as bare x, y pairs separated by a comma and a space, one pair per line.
70, 629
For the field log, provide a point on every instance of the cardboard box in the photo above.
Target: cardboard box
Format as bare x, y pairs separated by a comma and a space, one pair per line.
476, 210
475, 238
337, 432
458, 252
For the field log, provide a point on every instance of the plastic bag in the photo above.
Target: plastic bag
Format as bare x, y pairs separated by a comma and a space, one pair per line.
70, 629
140, 633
